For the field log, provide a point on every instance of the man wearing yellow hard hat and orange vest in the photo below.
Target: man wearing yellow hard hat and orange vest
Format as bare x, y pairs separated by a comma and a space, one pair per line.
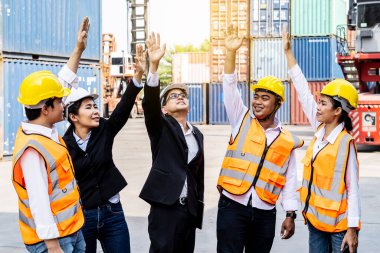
330, 187
258, 166
50, 213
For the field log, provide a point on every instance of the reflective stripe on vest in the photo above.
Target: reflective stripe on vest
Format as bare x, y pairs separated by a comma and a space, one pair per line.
62, 189
324, 201
242, 168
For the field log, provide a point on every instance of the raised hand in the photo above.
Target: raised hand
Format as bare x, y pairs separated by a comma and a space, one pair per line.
233, 42
155, 51
83, 33
140, 59
286, 39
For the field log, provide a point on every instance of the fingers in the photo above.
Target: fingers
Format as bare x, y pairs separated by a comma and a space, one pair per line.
148, 43
85, 24
158, 39
153, 38
163, 48
234, 30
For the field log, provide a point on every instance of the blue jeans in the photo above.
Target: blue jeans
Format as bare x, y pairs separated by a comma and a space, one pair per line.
70, 244
324, 242
106, 224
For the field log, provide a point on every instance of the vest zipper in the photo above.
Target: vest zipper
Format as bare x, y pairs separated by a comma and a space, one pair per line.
262, 160
304, 211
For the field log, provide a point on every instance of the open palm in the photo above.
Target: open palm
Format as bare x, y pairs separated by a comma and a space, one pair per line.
155, 51
83, 33
140, 59
233, 42
286, 38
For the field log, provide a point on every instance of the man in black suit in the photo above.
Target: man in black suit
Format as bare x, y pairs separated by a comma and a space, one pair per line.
175, 185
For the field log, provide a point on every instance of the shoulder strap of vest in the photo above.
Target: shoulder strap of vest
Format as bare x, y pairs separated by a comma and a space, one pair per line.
298, 142
245, 119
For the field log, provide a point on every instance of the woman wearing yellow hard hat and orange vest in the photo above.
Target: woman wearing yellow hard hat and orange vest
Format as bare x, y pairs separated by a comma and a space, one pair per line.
50, 212
330, 190
259, 165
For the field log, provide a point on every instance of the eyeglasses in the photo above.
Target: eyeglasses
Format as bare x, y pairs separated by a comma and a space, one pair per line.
177, 95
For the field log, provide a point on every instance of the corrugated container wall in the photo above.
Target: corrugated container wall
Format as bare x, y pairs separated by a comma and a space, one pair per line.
268, 58
298, 117
317, 17
197, 102
191, 67
217, 111
49, 28
222, 13
317, 57
283, 114
14, 71
268, 16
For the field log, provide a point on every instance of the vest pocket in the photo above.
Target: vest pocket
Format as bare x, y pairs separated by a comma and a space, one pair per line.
235, 171
327, 204
322, 181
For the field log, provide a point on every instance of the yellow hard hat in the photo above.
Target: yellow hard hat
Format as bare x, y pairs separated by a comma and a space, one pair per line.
39, 86
342, 89
272, 84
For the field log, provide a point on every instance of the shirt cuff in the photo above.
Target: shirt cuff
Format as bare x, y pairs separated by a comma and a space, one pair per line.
137, 84
290, 205
45, 232
295, 71
67, 75
229, 78
152, 79
353, 222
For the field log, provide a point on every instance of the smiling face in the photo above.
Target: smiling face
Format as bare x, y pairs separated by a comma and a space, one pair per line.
263, 104
88, 114
176, 101
326, 113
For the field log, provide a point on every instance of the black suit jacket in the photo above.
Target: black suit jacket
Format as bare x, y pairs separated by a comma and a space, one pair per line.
169, 159
95, 171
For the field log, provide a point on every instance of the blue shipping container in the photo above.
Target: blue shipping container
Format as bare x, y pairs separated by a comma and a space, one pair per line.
217, 111
283, 114
317, 57
14, 71
196, 105
49, 27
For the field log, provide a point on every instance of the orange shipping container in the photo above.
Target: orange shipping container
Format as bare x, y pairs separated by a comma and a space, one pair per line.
297, 116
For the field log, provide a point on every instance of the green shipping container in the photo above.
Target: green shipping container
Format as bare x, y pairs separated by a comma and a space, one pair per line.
317, 17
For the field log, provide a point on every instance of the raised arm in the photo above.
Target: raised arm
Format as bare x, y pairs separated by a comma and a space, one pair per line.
233, 102
300, 83
68, 74
151, 102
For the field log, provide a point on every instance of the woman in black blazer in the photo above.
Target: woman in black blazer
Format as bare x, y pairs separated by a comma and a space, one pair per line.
89, 140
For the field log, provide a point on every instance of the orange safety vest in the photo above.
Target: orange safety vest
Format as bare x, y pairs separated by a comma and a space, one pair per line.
323, 192
249, 161
62, 187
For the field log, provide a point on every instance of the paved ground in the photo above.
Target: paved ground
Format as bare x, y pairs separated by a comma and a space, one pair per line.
132, 155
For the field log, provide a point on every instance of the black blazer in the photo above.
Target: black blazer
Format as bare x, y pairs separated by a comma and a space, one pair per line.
169, 159
95, 171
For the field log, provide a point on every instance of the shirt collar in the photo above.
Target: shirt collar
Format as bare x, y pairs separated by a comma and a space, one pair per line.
190, 130
79, 140
332, 136
277, 123
51, 133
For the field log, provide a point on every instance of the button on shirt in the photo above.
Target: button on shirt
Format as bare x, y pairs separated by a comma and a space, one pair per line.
309, 107
236, 111
191, 142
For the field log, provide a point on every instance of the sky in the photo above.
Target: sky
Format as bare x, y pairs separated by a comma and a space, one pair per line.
178, 21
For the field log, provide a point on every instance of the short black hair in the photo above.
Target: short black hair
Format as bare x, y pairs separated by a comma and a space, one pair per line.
32, 114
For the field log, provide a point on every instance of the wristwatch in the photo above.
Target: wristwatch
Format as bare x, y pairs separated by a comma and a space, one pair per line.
291, 215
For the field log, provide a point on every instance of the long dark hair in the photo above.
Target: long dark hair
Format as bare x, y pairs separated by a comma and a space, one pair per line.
344, 116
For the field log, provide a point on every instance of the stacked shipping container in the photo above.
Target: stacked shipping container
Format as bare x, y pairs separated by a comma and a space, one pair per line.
40, 35
313, 26
267, 54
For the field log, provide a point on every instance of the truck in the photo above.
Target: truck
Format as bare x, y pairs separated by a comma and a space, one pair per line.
358, 54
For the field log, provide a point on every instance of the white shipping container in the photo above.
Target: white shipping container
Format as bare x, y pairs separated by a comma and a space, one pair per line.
191, 68
268, 58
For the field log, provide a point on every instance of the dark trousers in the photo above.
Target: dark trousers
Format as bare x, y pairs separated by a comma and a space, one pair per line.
242, 227
106, 224
171, 229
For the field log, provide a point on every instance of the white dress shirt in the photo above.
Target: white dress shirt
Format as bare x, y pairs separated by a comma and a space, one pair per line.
236, 111
309, 106
191, 142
